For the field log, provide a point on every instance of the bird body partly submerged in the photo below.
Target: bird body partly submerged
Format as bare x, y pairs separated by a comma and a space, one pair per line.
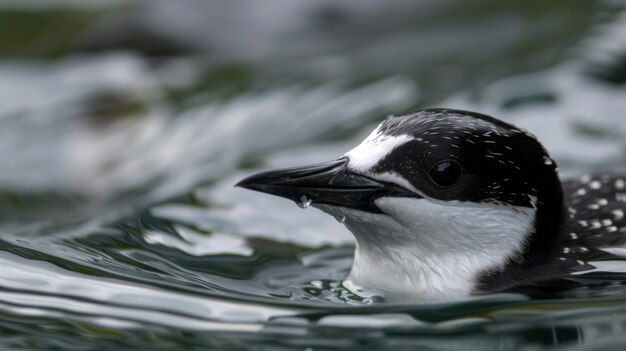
447, 203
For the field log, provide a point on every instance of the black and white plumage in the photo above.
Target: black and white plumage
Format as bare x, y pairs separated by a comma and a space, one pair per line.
446, 203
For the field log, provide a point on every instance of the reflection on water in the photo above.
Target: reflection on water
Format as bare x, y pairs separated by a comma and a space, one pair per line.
120, 225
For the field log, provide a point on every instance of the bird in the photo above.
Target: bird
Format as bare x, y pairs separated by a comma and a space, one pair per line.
447, 204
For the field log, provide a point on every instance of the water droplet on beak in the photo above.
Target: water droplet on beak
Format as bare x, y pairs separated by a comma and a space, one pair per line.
304, 202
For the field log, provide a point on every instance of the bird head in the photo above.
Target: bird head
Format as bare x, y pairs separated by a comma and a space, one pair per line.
435, 199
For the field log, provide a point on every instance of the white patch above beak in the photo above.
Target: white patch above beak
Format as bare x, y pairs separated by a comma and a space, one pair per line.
374, 148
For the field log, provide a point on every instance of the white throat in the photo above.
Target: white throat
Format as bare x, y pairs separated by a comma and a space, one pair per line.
425, 249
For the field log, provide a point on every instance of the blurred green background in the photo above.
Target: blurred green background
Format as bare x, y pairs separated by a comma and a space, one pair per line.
124, 125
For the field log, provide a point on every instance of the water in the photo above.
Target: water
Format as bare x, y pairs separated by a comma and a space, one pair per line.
304, 202
121, 228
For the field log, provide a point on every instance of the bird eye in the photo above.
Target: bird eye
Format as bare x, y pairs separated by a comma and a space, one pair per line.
446, 173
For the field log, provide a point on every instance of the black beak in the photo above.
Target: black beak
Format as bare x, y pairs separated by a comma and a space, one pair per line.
329, 183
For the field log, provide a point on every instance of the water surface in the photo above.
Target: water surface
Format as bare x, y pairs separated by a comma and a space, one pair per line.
121, 228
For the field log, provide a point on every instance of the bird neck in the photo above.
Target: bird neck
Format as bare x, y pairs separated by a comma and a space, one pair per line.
549, 222
532, 263
413, 249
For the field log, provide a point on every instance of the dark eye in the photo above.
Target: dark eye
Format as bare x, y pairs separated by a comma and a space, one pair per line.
446, 173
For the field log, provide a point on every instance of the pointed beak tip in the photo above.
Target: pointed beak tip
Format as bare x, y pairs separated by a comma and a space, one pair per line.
247, 183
